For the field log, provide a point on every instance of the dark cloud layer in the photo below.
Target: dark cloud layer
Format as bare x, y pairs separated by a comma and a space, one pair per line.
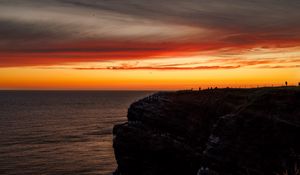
237, 11
46, 27
245, 16
231, 14
18, 30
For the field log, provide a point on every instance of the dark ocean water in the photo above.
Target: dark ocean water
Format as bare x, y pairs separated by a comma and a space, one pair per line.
60, 132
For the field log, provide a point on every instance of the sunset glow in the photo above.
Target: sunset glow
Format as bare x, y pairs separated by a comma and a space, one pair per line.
133, 45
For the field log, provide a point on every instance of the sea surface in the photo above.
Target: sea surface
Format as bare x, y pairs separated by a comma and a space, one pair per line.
60, 132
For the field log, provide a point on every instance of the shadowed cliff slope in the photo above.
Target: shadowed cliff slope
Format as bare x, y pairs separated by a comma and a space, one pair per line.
220, 131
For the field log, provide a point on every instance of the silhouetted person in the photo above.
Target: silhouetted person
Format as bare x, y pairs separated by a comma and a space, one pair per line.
299, 84
203, 171
286, 83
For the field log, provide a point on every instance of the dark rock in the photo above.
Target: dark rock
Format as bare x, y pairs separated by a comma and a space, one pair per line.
222, 131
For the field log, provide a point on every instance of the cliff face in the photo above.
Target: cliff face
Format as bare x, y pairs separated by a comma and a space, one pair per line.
228, 131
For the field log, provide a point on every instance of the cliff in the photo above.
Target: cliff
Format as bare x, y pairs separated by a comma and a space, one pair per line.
219, 131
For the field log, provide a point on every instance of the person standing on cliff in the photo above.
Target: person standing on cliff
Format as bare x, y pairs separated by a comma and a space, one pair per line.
203, 171
286, 83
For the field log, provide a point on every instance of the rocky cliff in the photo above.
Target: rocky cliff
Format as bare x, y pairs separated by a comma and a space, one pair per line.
219, 131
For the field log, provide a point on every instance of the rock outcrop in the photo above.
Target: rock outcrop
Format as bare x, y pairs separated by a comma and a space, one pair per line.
220, 131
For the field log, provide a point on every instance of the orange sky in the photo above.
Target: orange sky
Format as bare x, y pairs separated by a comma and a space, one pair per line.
138, 45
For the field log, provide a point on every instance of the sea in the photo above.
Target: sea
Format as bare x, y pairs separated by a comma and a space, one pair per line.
61, 132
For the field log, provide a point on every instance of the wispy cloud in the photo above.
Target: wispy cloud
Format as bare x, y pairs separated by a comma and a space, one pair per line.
208, 64
158, 68
279, 66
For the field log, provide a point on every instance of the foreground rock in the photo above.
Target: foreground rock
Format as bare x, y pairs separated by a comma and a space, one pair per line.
221, 131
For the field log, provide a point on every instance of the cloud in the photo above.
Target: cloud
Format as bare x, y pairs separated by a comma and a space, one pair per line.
179, 64
12, 30
219, 13
51, 32
158, 68
279, 66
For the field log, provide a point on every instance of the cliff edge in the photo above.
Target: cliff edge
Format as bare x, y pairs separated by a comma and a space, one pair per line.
219, 131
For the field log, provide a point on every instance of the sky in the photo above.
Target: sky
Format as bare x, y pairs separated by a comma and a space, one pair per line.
148, 44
